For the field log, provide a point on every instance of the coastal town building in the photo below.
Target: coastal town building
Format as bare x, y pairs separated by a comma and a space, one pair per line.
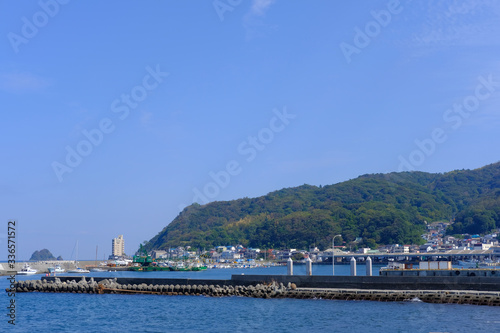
401, 248
156, 254
118, 246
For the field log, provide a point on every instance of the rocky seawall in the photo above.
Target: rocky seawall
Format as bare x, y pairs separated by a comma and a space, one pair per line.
259, 290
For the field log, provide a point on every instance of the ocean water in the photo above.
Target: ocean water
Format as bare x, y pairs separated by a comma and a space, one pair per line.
52, 312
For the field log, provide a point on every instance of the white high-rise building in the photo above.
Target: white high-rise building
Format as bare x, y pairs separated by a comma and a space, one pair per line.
118, 246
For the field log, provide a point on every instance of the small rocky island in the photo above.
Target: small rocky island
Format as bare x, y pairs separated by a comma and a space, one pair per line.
43, 255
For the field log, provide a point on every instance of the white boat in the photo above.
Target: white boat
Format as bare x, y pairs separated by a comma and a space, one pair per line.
392, 265
97, 270
27, 270
78, 270
56, 269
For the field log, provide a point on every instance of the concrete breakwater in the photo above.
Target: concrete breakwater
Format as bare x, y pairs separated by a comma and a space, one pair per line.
246, 288
111, 286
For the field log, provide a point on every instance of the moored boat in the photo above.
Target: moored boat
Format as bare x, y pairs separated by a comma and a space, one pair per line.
56, 269
150, 268
78, 270
179, 267
97, 269
469, 263
198, 267
27, 270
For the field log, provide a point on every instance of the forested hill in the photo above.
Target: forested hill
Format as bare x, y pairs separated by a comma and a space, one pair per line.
379, 208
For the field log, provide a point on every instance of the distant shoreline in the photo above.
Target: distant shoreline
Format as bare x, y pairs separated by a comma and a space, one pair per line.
54, 260
42, 266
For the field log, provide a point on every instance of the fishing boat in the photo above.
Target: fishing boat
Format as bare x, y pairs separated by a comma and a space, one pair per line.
150, 268
198, 267
27, 270
56, 269
179, 267
142, 262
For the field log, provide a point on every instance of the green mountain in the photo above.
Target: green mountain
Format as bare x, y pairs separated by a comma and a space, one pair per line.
379, 208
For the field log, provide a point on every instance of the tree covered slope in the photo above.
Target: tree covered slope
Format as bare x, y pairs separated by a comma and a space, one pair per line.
379, 208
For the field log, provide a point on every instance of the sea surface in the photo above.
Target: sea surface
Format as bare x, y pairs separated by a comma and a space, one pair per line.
53, 312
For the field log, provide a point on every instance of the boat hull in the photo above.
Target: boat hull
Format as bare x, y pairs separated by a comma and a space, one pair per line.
56, 270
27, 270
150, 269
78, 271
97, 270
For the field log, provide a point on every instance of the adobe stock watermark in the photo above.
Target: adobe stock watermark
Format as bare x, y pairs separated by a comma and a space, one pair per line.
31, 26
248, 150
95, 136
363, 37
454, 118
223, 6
11, 270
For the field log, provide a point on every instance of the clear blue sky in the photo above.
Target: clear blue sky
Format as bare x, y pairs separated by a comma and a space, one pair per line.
260, 95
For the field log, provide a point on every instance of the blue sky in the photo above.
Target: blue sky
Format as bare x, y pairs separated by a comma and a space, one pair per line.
116, 115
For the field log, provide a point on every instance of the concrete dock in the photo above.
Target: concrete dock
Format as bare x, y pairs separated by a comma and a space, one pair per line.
477, 283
